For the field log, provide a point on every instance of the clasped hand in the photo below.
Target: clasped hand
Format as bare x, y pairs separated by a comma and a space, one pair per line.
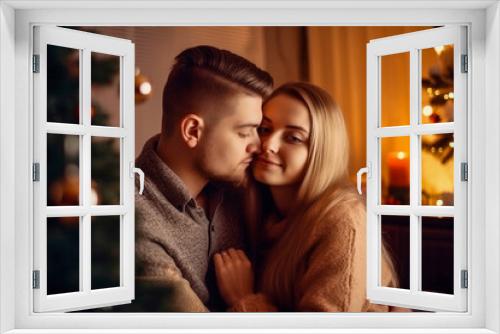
234, 273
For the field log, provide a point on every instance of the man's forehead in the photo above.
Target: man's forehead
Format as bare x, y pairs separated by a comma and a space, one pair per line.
245, 100
249, 108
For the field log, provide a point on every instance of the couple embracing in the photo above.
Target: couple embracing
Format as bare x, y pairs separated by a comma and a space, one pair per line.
247, 205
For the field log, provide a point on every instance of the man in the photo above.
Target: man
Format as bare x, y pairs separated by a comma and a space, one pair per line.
211, 110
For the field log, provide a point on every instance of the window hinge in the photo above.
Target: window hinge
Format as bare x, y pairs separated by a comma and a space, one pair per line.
465, 66
36, 279
465, 279
36, 63
464, 171
36, 171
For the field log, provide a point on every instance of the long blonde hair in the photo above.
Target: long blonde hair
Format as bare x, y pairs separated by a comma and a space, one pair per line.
324, 188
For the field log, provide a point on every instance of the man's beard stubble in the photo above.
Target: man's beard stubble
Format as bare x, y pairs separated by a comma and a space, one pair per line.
235, 177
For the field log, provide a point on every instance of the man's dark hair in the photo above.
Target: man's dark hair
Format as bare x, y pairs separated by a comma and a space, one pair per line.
203, 78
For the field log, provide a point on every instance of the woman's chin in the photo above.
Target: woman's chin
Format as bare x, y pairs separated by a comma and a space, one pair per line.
262, 176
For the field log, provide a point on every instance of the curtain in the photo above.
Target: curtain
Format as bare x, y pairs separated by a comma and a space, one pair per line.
337, 62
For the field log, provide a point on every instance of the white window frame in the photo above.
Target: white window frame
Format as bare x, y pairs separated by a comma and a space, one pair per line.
86, 43
16, 21
412, 44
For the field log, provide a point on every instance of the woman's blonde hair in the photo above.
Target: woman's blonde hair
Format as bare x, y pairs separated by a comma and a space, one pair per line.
324, 187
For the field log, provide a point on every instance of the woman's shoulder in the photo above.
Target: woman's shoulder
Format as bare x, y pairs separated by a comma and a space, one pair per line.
349, 209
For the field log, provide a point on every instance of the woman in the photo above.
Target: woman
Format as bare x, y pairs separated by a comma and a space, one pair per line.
309, 230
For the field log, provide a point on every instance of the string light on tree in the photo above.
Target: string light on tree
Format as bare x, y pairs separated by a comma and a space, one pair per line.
143, 87
427, 111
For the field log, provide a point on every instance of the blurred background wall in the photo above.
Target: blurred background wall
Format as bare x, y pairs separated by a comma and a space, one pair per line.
331, 57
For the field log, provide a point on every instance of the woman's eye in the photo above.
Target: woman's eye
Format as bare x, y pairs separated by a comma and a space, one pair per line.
294, 139
243, 134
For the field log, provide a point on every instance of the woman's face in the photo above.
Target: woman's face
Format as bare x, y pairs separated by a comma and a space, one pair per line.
284, 135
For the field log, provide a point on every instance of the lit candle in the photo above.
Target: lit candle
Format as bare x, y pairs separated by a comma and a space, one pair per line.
399, 169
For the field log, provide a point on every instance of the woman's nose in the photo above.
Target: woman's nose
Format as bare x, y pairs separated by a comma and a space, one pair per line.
270, 144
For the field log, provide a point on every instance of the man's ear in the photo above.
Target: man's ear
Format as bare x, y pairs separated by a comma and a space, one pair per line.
192, 127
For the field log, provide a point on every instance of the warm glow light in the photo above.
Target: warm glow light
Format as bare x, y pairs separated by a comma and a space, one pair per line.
446, 96
437, 92
452, 144
440, 149
94, 197
71, 170
71, 146
439, 202
401, 155
439, 49
145, 88
450, 95
427, 111
429, 91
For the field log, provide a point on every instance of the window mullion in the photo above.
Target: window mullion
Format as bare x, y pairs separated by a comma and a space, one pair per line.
415, 228
420, 210
85, 242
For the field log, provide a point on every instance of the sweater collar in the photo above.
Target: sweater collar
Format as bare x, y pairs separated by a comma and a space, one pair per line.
170, 185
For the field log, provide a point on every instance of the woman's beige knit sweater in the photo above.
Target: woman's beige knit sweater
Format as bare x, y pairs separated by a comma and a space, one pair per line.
334, 277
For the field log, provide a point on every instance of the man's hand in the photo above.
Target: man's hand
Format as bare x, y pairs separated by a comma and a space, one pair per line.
235, 276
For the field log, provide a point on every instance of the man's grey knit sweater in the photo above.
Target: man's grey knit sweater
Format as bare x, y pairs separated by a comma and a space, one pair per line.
175, 237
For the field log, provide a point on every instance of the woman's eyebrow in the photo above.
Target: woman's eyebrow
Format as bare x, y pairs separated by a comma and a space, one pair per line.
289, 126
297, 127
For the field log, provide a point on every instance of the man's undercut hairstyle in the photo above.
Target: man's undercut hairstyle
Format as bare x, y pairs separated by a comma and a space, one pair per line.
203, 79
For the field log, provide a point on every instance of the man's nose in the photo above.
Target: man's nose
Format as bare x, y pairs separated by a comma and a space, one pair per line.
254, 147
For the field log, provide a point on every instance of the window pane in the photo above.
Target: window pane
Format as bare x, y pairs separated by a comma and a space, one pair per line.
437, 84
437, 254
105, 75
395, 170
396, 239
437, 169
395, 89
63, 179
63, 255
63, 84
105, 252
105, 171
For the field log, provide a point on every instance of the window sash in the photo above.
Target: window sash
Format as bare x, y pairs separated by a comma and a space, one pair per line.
86, 43
412, 43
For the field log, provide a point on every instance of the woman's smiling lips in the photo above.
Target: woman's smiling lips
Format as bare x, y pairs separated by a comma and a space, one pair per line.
267, 162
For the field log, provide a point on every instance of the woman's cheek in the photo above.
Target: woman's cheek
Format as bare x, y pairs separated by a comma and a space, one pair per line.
297, 165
